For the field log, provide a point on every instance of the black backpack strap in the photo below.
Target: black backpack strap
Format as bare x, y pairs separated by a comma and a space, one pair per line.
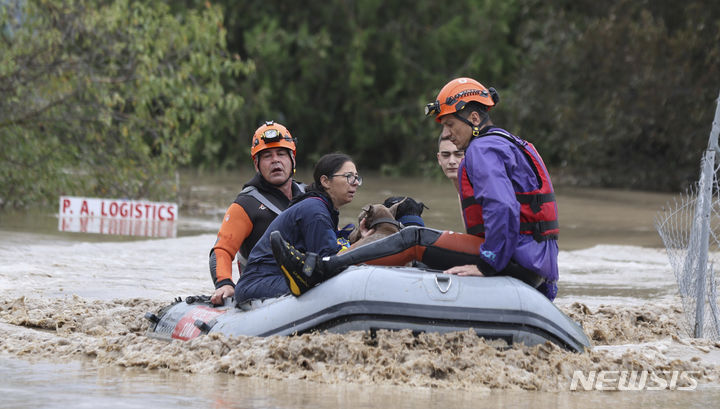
252, 191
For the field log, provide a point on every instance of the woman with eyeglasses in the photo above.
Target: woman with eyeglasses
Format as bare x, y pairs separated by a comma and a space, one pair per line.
310, 223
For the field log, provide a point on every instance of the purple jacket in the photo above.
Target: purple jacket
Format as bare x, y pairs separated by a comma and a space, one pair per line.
497, 168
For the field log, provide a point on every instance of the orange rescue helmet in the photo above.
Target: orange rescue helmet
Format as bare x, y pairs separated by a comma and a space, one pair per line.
271, 135
457, 93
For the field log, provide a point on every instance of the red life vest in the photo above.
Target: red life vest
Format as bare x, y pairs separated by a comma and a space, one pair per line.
538, 208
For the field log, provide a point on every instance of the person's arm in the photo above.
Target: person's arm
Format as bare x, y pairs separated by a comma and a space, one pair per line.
235, 228
319, 230
364, 232
466, 270
501, 211
220, 294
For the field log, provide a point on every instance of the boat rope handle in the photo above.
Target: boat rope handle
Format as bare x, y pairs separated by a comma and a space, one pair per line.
445, 278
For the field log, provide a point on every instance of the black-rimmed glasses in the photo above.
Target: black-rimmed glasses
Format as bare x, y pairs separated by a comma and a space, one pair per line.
352, 178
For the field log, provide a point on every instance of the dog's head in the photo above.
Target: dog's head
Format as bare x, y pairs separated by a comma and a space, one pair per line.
408, 208
373, 213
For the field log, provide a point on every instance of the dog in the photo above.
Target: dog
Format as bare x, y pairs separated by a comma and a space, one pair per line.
385, 218
409, 211
378, 217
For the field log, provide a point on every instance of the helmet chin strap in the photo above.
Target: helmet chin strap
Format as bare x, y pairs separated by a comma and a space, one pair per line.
286, 180
475, 128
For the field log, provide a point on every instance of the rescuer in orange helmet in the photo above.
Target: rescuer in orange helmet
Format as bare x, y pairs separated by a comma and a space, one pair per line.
506, 194
268, 193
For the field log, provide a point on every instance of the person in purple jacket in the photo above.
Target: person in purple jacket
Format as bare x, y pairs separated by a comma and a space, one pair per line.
505, 189
507, 200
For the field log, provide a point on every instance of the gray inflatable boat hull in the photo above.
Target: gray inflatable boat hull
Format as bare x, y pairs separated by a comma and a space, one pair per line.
369, 298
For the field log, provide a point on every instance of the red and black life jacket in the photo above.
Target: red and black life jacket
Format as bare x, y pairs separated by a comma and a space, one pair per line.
538, 208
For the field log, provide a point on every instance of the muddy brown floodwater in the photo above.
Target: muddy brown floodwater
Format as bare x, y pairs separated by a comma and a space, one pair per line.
71, 308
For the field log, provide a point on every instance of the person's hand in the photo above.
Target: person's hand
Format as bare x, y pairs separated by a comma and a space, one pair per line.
364, 231
221, 294
466, 270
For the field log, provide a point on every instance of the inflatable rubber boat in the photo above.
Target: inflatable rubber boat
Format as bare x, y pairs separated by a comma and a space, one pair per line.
370, 298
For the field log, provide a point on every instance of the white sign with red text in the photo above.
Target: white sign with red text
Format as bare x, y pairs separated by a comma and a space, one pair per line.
116, 216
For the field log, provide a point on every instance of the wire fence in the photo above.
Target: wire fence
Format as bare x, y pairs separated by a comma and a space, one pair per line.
690, 230
675, 225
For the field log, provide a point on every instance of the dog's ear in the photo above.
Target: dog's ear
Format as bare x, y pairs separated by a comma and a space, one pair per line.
393, 208
369, 210
415, 206
367, 214
364, 212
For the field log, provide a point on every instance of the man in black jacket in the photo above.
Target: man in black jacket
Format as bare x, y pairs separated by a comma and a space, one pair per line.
266, 195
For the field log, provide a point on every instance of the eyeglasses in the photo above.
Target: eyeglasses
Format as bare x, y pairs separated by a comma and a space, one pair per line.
352, 178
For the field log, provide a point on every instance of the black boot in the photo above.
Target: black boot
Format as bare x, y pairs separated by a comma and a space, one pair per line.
301, 270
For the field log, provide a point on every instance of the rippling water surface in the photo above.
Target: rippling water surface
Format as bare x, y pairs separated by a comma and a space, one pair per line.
71, 308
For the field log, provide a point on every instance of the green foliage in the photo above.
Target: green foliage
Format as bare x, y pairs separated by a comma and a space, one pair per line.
617, 93
354, 76
620, 93
106, 98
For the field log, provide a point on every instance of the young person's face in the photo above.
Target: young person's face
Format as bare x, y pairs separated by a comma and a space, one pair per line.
449, 158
